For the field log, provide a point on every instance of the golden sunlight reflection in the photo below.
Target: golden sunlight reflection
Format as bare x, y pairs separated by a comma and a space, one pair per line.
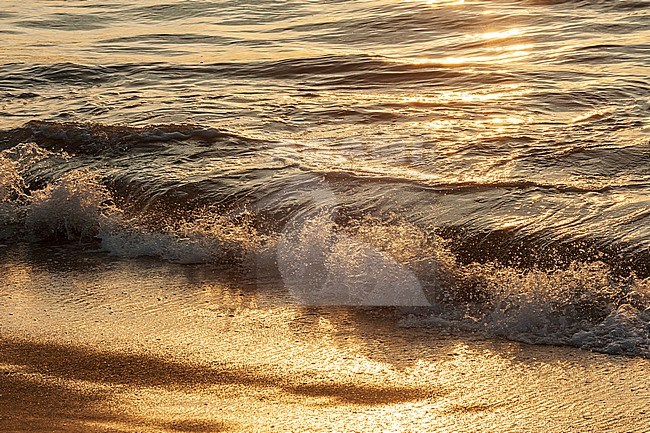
494, 171
324, 216
499, 121
437, 97
501, 46
172, 350
440, 2
503, 34
505, 54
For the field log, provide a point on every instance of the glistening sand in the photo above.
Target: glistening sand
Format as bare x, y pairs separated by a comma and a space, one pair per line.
91, 343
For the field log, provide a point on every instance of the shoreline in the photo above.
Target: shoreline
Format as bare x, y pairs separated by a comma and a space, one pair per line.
94, 343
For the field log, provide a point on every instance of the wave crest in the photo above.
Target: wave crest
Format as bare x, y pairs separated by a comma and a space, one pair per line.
73, 206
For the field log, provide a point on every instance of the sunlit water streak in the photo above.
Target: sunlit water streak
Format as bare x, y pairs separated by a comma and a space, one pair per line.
516, 132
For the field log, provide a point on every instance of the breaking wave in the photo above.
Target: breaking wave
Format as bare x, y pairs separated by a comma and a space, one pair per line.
366, 261
495, 181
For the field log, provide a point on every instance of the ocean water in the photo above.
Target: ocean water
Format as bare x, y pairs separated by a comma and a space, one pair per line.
482, 165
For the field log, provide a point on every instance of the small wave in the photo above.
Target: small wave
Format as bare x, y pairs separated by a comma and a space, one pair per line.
73, 206
20, 76
332, 71
624, 5
66, 21
95, 139
432, 183
583, 306
175, 170
78, 206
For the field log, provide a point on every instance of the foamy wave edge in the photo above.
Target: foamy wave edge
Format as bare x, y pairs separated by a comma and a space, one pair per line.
368, 262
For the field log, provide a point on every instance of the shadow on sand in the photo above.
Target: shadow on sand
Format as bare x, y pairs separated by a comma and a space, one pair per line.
39, 391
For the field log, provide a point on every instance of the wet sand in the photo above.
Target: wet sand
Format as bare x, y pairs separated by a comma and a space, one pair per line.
98, 344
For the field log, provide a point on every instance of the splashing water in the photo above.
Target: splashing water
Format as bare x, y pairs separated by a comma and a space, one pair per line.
323, 265
11, 182
364, 261
11, 188
205, 237
73, 206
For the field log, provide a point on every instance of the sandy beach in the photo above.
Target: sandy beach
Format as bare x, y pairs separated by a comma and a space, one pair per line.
99, 344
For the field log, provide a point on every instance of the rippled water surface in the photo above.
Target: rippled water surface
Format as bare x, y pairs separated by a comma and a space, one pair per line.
512, 132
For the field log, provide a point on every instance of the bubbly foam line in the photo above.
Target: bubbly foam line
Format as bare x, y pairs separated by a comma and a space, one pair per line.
208, 237
582, 306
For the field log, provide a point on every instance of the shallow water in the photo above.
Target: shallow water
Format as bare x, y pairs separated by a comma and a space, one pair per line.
488, 159
102, 344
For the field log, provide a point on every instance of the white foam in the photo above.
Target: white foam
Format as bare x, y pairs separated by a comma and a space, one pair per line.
206, 237
625, 330
74, 206
321, 265
582, 306
13, 162
11, 182
135, 242
367, 263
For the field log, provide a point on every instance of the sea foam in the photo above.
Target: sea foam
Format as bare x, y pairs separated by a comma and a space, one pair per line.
73, 206
366, 261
